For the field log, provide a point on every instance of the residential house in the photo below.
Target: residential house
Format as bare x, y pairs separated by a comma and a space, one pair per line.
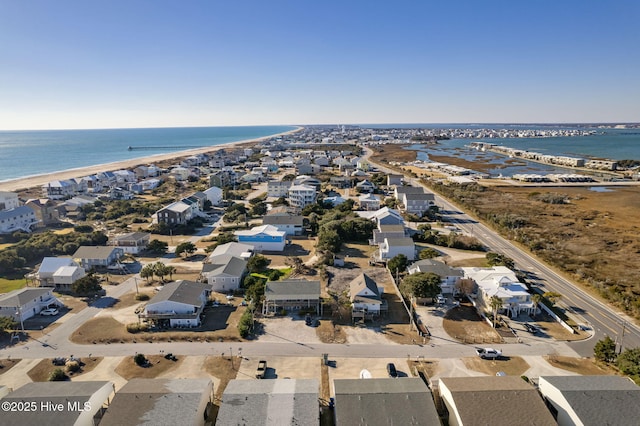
384, 216
21, 218
340, 182
178, 213
9, 200
309, 181
369, 202
384, 401
65, 276
392, 247
270, 402
591, 400
26, 302
79, 403
307, 168
94, 185
263, 238
149, 184
395, 180
119, 193
224, 272
45, 211
244, 251
214, 195
292, 294
301, 196
132, 242
177, 304
48, 267
107, 179
366, 297
449, 276
400, 190
492, 400
124, 177
59, 189
290, 224
90, 257
333, 200
388, 231
366, 186
502, 282
180, 173
278, 188
418, 204
161, 402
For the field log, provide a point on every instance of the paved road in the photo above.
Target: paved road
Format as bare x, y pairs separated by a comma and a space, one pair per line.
599, 317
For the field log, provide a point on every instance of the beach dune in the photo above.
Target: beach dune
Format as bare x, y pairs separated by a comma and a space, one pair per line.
29, 182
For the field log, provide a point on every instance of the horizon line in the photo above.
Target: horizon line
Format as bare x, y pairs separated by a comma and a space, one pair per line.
469, 123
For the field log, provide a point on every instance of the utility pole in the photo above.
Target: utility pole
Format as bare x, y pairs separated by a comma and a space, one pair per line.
624, 323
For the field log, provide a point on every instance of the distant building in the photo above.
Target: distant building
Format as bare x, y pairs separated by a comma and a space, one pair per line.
21, 218
301, 196
132, 242
263, 238
9, 200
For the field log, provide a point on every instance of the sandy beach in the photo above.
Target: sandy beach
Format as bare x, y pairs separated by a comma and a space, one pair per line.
17, 185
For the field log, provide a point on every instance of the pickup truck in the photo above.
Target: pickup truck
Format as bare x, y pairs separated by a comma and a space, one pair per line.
488, 353
262, 369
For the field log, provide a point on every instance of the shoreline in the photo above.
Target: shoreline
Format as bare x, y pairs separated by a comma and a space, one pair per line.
29, 182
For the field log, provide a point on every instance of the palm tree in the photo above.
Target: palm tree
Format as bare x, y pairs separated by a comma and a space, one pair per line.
171, 270
496, 303
536, 299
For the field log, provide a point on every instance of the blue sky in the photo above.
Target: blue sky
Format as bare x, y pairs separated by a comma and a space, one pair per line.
158, 63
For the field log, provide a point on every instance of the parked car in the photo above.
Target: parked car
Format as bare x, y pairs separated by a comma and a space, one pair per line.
49, 312
488, 353
391, 369
533, 329
440, 300
261, 370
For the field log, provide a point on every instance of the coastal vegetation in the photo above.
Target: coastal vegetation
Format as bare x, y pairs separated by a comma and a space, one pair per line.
590, 236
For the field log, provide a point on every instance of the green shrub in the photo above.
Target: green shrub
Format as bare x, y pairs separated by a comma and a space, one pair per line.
245, 324
58, 375
142, 296
140, 360
72, 366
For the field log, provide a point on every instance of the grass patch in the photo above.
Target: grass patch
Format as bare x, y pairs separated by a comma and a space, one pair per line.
7, 285
8, 364
583, 366
329, 332
512, 366
222, 368
157, 365
464, 324
42, 370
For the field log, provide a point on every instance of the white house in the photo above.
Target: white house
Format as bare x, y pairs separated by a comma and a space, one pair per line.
400, 190
177, 304
244, 251
263, 238
369, 202
502, 282
388, 231
9, 200
301, 196
224, 272
365, 297
48, 267
384, 216
26, 302
132, 242
180, 173
366, 186
392, 247
21, 218
214, 195
65, 276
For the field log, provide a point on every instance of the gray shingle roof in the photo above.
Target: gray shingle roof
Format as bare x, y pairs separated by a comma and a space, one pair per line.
270, 402
94, 252
497, 401
20, 297
292, 289
361, 282
599, 400
438, 268
225, 264
404, 401
183, 291
158, 402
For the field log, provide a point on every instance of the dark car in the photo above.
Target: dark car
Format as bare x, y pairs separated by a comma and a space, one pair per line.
391, 369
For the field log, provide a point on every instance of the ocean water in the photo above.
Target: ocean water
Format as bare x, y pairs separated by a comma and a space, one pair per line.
28, 153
